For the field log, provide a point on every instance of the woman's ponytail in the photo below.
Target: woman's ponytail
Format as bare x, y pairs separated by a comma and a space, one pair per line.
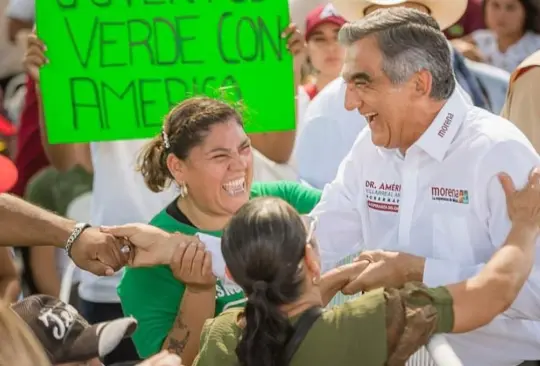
266, 330
152, 163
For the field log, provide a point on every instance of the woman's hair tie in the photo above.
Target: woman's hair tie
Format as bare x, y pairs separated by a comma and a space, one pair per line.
259, 287
165, 138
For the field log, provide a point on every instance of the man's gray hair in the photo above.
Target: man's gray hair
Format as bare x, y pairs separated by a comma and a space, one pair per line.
410, 41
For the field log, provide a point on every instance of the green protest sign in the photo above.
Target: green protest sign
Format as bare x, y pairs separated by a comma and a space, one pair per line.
118, 66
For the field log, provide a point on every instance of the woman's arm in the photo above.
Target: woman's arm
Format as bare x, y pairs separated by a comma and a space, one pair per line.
334, 280
478, 300
44, 268
196, 307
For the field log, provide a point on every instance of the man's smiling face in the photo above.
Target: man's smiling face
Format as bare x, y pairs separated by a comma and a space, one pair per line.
371, 92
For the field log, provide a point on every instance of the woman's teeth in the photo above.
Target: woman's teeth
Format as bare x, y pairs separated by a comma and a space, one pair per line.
235, 187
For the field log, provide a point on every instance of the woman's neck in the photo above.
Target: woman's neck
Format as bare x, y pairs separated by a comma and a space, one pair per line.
200, 219
309, 300
505, 42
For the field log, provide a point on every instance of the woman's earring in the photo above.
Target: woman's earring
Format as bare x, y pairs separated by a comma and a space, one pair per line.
315, 280
183, 189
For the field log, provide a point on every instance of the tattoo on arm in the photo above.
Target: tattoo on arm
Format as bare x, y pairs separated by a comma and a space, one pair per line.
178, 345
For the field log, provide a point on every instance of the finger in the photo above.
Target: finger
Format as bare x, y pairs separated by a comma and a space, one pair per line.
355, 286
98, 268
365, 256
207, 264
507, 184
178, 255
291, 28
197, 263
187, 260
534, 177
126, 231
124, 249
111, 255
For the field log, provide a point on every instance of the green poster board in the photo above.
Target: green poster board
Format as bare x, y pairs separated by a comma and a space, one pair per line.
117, 66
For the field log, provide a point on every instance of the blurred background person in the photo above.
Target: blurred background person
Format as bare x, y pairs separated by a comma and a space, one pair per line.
512, 34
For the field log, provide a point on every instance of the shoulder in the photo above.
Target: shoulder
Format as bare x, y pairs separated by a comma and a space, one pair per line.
302, 197
329, 102
219, 339
488, 130
282, 189
497, 145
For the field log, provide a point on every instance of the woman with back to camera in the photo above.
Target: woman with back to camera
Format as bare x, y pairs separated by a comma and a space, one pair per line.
271, 254
204, 150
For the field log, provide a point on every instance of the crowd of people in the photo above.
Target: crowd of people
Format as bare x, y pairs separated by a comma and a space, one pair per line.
405, 204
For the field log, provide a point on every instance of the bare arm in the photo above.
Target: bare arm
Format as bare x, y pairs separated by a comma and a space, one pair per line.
478, 300
44, 267
23, 224
184, 337
62, 156
334, 280
9, 278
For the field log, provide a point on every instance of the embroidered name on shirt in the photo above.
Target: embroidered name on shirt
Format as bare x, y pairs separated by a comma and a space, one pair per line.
446, 125
450, 195
383, 196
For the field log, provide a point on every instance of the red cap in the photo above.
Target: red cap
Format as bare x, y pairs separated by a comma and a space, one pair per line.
6, 127
320, 15
8, 174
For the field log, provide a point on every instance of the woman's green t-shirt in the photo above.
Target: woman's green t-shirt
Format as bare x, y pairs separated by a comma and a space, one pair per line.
153, 295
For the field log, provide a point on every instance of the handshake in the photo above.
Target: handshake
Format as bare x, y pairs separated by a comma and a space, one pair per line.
105, 250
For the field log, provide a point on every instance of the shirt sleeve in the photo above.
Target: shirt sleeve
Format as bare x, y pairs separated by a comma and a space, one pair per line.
152, 296
413, 314
339, 229
516, 158
523, 108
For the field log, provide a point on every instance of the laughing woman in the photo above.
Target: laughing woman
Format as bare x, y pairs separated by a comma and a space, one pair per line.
204, 150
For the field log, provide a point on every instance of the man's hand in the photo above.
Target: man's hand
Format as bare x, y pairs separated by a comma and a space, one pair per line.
98, 252
386, 269
150, 245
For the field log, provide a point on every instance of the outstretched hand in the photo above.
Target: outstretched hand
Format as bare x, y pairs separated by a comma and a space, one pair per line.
148, 245
523, 205
99, 253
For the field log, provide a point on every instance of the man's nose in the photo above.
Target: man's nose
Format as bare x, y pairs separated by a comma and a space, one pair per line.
352, 99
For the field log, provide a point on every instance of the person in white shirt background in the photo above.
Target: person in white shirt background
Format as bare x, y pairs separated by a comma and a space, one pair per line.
324, 54
418, 192
513, 34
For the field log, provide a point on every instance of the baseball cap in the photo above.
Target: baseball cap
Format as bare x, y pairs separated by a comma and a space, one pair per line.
320, 15
65, 335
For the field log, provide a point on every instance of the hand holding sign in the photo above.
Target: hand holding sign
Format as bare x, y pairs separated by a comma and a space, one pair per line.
34, 57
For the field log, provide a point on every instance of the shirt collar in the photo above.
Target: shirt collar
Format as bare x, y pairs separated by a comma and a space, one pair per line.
436, 140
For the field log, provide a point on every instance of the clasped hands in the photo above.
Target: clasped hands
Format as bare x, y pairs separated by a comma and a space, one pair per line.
382, 269
100, 252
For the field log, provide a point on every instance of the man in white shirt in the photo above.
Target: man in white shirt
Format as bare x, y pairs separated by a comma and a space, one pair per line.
329, 130
421, 182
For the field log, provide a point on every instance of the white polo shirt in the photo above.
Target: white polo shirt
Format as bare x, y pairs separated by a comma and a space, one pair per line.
442, 201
